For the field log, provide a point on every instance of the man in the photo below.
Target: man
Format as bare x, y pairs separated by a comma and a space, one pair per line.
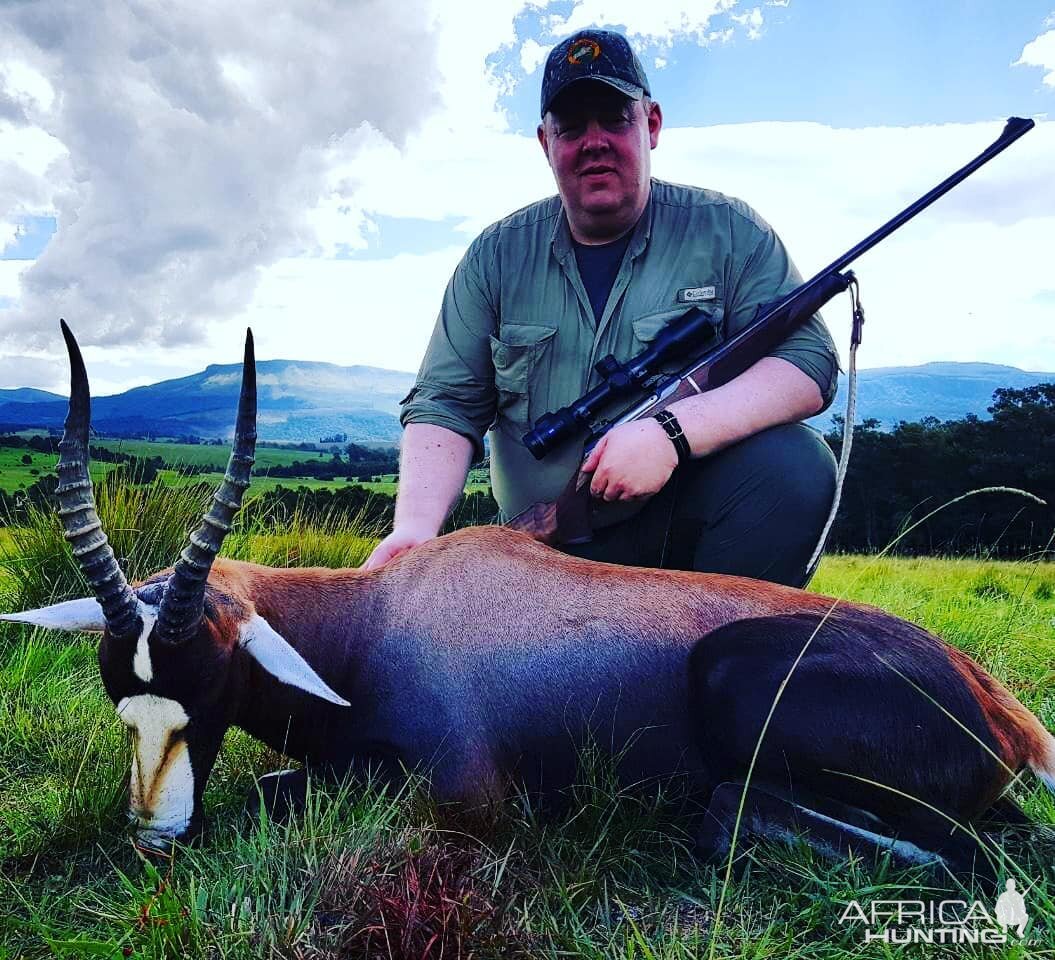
732, 483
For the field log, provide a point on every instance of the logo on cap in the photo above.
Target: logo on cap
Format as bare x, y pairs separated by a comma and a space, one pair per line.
583, 51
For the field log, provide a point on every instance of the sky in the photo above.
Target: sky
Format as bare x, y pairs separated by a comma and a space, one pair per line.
173, 173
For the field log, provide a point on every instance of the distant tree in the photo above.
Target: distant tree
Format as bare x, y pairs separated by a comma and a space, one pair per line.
897, 478
26, 459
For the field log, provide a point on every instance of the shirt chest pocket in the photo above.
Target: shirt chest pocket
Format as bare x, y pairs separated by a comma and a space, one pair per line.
646, 328
516, 357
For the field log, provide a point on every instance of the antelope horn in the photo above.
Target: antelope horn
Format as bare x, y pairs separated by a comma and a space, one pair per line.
183, 602
84, 530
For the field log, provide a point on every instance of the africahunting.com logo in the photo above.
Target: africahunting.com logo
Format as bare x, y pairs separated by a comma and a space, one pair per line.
941, 921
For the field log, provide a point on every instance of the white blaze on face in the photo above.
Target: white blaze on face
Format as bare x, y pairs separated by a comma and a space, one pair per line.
141, 665
162, 784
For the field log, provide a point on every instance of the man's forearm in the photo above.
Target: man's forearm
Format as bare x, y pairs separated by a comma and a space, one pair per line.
433, 466
635, 459
771, 392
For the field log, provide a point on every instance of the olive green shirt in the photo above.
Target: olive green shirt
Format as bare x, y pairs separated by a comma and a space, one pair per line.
517, 338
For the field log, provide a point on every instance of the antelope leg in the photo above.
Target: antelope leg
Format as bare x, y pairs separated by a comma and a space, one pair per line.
837, 832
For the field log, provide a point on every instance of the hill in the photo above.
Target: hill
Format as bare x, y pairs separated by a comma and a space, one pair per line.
304, 400
946, 390
28, 395
298, 400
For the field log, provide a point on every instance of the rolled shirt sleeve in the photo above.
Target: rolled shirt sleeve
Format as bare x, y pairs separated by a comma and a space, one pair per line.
455, 387
766, 274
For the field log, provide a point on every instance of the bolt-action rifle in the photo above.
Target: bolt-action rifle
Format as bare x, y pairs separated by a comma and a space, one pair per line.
573, 515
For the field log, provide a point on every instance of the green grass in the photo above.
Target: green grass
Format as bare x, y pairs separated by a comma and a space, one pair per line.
365, 874
389, 487
15, 474
261, 484
196, 455
265, 484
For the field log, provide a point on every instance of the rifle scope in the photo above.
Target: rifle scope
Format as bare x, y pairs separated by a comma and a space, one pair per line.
685, 333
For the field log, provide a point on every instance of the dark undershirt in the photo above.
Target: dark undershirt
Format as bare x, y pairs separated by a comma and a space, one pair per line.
598, 267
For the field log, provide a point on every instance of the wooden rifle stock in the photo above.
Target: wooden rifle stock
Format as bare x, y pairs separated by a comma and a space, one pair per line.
573, 516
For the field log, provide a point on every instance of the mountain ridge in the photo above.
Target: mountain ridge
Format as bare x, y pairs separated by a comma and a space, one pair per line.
946, 389
305, 400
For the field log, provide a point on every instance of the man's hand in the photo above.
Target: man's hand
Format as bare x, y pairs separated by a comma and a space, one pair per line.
631, 462
397, 542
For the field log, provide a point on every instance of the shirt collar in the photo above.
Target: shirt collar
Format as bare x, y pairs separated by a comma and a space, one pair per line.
562, 242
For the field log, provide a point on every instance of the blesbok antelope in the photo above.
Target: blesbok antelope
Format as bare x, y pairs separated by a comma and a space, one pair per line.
486, 659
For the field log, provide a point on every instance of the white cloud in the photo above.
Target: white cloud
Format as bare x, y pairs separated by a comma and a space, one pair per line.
10, 273
960, 282
1040, 52
197, 135
750, 21
532, 55
466, 33
476, 179
27, 371
373, 312
26, 85
660, 22
31, 164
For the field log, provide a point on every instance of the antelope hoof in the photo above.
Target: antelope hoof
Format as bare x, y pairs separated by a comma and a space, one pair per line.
281, 794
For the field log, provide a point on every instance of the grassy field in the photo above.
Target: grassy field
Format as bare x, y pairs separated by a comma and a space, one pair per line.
364, 874
15, 474
264, 484
261, 484
196, 455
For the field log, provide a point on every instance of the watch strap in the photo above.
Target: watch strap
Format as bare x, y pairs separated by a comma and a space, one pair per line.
672, 428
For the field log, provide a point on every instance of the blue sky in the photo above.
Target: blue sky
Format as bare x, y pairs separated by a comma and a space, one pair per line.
899, 62
173, 175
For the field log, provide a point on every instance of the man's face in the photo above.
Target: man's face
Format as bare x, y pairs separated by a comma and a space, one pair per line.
597, 142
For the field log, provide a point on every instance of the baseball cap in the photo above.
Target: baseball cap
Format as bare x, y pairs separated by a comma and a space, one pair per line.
593, 55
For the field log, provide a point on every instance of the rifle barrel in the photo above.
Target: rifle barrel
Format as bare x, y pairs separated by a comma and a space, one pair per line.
1013, 129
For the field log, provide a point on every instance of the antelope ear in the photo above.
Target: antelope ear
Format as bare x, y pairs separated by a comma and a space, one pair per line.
84, 614
268, 648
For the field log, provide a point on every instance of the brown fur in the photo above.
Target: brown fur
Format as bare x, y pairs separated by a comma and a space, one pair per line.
1021, 737
484, 657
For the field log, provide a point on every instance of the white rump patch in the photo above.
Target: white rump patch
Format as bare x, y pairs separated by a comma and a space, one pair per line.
84, 614
1045, 768
274, 653
161, 790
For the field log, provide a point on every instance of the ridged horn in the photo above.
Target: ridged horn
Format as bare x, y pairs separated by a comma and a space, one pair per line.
183, 602
84, 530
